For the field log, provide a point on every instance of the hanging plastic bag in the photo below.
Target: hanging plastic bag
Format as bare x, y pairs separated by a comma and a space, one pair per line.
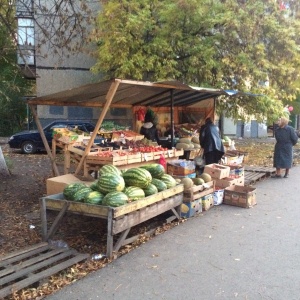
163, 161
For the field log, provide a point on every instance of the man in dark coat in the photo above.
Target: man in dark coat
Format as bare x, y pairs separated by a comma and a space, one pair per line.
286, 138
211, 142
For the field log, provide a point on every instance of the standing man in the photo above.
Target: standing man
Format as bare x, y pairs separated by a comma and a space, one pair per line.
211, 142
286, 138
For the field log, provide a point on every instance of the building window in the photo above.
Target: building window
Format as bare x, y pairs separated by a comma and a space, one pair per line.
26, 53
26, 32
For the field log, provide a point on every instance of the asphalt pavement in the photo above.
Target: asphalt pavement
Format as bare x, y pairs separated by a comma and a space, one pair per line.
225, 253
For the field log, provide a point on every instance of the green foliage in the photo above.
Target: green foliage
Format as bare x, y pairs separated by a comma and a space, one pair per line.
12, 83
225, 44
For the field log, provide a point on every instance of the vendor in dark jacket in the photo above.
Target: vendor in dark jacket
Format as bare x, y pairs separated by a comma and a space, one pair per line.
148, 129
211, 142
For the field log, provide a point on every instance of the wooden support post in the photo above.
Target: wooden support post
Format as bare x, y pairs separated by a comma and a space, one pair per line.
41, 131
109, 97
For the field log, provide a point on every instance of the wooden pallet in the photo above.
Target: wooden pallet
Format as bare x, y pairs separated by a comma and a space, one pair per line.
22, 268
253, 174
268, 170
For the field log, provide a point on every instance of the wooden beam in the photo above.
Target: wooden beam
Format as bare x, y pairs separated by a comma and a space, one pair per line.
41, 131
109, 97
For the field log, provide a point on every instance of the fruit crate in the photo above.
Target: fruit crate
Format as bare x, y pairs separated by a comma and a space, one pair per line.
115, 159
148, 156
134, 158
198, 191
78, 148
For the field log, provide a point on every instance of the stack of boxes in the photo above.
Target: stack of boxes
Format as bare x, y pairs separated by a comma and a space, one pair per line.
197, 198
235, 193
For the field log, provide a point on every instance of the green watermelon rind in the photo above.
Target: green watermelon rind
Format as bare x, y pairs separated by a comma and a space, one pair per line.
137, 177
109, 169
150, 190
115, 199
110, 182
71, 189
156, 170
134, 193
93, 197
160, 185
168, 180
80, 195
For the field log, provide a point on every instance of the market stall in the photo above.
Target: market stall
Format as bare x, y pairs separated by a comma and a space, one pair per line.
145, 189
118, 93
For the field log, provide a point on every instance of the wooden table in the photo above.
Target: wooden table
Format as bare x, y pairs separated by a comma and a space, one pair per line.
119, 219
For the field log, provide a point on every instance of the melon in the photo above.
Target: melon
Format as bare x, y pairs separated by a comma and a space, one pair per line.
187, 183
198, 181
195, 140
206, 177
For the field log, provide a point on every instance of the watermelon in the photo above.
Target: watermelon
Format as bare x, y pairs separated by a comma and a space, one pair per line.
156, 170
134, 193
93, 197
115, 199
71, 189
160, 185
137, 177
151, 189
81, 194
109, 169
168, 180
110, 182
94, 186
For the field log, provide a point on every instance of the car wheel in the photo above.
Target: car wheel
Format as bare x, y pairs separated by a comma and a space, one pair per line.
28, 147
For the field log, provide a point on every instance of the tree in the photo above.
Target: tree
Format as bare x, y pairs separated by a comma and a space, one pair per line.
13, 85
252, 46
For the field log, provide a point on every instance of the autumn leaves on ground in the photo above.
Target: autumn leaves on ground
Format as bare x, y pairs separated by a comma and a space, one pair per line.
20, 221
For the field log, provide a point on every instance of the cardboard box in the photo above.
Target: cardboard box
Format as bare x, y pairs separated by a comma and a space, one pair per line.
176, 167
217, 171
228, 181
190, 209
56, 185
207, 201
242, 196
236, 171
193, 175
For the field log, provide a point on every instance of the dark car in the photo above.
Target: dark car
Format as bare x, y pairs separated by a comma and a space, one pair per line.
31, 141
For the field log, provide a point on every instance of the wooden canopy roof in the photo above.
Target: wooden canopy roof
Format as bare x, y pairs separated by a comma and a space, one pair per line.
130, 93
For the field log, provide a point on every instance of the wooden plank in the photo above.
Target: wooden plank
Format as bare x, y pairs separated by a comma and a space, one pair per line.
23, 255
23, 251
135, 205
29, 262
41, 275
57, 220
146, 213
121, 239
29, 270
56, 202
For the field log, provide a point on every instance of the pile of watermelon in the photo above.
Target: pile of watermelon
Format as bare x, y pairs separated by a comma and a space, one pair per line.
115, 188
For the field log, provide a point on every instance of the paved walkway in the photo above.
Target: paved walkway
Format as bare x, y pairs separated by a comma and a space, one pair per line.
226, 253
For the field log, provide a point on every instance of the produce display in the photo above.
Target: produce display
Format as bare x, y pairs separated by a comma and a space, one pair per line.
188, 143
115, 188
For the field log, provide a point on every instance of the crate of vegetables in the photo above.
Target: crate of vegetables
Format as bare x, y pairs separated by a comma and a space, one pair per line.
114, 157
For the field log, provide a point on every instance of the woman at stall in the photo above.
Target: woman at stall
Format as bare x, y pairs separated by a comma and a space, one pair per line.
286, 138
148, 129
